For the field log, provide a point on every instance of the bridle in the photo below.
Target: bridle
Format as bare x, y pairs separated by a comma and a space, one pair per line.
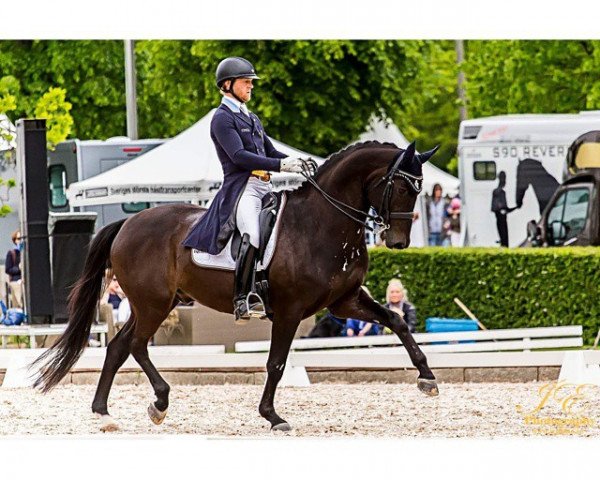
384, 214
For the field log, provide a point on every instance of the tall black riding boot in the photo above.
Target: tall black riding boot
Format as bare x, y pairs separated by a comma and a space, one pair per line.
244, 274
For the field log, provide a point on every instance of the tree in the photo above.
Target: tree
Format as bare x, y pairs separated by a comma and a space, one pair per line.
91, 71
316, 95
532, 76
52, 106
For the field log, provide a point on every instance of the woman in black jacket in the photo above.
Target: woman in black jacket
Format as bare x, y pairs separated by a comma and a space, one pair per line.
396, 298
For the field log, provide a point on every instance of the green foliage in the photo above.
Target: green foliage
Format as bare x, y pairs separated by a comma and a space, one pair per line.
9, 89
315, 95
91, 71
504, 288
532, 76
55, 109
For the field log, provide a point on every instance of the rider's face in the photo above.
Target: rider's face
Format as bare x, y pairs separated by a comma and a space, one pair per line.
242, 87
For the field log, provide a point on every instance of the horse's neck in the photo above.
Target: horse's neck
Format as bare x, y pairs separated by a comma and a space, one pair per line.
345, 184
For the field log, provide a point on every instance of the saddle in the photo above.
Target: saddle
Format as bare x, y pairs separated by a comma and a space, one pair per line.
271, 204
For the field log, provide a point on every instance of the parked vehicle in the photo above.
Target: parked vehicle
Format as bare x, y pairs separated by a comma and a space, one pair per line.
76, 160
72, 161
572, 217
531, 151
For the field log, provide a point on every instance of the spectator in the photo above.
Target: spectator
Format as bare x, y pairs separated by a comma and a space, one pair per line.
452, 225
436, 213
396, 297
113, 294
328, 326
361, 328
13, 269
115, 297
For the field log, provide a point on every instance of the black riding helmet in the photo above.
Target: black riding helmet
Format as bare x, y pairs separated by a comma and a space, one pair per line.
232, 68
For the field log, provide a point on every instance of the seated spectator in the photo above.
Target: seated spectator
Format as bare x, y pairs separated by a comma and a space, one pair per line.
115, 298
328, 326
113, 294
397, 301
12, 266
360, 328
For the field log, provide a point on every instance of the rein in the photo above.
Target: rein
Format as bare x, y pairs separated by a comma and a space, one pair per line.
384, 215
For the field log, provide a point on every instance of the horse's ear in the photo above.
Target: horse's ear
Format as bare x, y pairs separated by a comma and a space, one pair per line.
423, 157
409, 154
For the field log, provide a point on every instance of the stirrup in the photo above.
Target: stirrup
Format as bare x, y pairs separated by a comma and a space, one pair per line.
257, 308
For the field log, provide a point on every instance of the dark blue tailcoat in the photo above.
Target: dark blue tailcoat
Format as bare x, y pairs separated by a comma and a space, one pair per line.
242, 146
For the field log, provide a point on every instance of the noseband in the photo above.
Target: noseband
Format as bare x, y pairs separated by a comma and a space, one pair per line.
384, 214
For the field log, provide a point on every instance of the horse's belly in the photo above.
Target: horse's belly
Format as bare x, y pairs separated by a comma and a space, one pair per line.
210, 287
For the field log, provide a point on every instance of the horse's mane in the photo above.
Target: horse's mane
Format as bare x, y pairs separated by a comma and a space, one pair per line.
338, 156
335, 158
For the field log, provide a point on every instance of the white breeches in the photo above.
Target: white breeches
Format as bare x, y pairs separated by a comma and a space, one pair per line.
249, 208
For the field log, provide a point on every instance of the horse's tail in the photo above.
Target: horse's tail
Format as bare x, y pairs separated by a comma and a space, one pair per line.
56, 362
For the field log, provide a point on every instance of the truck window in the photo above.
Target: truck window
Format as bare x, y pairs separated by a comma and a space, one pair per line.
484, 170
57, 179
134, 207
568, 216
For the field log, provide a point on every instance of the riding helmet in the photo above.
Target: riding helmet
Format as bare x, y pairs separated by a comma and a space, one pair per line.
234, 67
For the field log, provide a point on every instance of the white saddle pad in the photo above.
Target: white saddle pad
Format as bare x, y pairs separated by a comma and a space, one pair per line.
224, 260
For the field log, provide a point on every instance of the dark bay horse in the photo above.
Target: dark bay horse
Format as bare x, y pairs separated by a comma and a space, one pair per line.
320, 261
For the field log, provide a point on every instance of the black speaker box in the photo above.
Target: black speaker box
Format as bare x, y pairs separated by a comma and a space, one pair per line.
33, 181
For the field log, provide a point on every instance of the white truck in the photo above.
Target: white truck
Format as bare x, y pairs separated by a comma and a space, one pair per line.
531, 150
72, 161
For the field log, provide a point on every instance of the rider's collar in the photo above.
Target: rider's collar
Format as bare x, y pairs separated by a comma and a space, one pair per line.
232, 103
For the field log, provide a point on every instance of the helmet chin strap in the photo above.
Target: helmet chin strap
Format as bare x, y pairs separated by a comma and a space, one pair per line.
230, 90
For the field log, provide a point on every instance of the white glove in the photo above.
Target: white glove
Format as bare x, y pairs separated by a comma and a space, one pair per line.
291, 164
298, 165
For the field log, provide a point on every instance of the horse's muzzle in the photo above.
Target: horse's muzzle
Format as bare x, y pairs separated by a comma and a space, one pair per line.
397, 245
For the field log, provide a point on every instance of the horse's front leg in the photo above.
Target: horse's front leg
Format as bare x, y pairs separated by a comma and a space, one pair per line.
282, 334
360, 305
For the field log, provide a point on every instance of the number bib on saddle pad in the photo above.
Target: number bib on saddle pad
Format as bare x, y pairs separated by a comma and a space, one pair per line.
225, 260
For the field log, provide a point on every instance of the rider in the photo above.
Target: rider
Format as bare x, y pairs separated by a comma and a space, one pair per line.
247, 156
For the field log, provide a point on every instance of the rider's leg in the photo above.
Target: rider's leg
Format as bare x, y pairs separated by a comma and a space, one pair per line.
247, 219
244, 269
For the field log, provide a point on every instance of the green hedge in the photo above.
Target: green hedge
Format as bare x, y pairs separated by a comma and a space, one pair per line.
504, 288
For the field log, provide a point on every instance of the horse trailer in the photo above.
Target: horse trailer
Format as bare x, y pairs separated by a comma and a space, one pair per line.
72, 161
509, 168
76, 160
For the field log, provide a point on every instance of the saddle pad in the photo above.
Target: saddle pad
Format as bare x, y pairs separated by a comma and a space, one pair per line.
224, 260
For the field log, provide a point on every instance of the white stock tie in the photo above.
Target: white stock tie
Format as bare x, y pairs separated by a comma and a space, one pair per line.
244, 109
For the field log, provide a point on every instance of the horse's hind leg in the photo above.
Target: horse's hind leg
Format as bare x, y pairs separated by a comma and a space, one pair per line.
139, 349
360, 305
282, 334
116, 354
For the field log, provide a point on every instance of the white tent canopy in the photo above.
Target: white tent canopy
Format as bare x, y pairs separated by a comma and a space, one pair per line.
185, 168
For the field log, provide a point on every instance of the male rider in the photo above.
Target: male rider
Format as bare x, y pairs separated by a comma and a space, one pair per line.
247, 156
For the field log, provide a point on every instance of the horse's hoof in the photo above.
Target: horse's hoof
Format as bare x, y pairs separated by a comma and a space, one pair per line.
428, 387
107, 424
156, 415
282, 427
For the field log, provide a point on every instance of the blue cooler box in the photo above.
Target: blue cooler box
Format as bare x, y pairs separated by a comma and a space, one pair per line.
435, 325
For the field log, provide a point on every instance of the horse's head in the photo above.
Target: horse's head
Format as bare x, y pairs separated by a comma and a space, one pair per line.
394, 195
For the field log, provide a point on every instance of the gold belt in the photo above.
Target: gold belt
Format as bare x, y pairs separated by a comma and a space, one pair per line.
261, 174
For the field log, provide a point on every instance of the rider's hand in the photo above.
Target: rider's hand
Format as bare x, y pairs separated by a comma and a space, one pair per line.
298, 165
